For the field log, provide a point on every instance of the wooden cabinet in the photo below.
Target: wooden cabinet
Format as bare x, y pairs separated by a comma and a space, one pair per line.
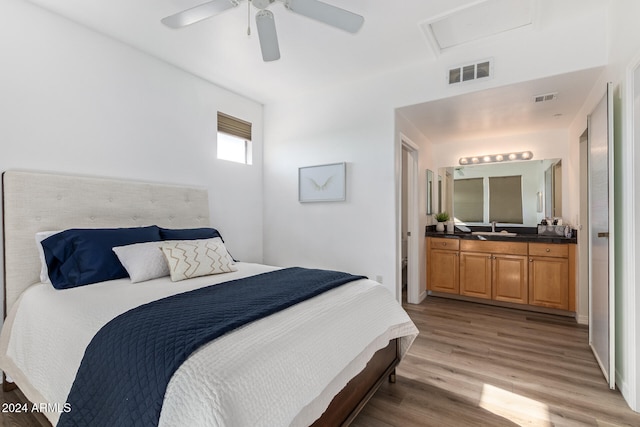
538, 274
494, 270
549, 275
443, 265
510, 278
475, 274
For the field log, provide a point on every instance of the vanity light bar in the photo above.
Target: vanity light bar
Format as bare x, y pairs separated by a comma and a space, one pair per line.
496, 158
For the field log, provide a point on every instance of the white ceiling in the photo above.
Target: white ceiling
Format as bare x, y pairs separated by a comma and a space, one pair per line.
315, 55
505, 110
219, 50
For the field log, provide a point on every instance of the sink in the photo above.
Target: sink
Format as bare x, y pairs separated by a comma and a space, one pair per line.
494, 233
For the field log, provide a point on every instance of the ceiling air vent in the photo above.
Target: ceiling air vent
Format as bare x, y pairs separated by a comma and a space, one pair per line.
545, 97
469, 72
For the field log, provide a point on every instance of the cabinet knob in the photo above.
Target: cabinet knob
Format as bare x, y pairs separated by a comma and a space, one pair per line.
548, 250
530, 259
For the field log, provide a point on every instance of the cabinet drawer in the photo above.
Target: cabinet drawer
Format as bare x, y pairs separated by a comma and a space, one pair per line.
558, 250
513, 248
441, 243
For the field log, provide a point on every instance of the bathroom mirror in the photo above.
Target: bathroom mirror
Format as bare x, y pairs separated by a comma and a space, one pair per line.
429, 192
524, 192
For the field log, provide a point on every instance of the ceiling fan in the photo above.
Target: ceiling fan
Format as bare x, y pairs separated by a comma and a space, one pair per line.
265, 22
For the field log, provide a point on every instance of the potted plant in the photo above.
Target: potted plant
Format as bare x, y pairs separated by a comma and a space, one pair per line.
441, 217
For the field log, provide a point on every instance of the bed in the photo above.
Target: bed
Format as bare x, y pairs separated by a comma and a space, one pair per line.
315, 362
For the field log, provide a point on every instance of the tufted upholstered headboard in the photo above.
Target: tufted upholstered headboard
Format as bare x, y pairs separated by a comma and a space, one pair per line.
34, 201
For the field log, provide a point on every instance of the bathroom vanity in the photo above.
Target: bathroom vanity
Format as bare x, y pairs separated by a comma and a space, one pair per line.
528, 271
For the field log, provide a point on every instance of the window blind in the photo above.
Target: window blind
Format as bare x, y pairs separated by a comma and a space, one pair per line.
468, 199
234, 126
505, 199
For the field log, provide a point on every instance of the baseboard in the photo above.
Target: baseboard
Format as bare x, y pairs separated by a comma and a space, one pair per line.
7, 383
582, 319
422, 297
627, 393
504, 304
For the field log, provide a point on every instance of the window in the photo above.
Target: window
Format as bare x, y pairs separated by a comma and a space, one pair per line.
234, 149
482, 200
505, 199
234, 139
468, 199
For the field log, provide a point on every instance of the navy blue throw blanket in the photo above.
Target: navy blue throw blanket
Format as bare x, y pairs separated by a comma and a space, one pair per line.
127, 366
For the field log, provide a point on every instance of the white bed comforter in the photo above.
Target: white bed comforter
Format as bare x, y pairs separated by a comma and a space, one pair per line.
278, 371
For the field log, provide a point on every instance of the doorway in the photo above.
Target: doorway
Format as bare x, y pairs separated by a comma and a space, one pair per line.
408, 265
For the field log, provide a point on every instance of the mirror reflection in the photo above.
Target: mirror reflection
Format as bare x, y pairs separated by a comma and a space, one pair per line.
513, 193
429, 192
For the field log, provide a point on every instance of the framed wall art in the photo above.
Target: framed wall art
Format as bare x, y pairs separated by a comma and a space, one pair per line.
322, 183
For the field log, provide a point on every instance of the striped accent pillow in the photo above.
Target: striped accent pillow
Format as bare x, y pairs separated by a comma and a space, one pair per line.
195, 258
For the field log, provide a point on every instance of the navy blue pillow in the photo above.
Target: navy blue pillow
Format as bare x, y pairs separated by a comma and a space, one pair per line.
188, 233
78, 257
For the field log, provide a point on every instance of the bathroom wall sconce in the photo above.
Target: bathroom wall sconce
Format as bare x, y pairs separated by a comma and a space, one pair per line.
539, 201
496, 158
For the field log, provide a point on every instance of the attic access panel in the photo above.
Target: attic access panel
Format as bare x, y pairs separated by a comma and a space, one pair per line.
478, 21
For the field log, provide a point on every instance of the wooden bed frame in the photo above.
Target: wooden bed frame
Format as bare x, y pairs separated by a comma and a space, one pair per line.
36, 201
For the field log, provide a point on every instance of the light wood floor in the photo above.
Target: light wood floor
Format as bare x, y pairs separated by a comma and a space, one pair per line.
477, 365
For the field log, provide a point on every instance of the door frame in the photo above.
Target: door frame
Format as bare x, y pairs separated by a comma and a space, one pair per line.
413, 267
582, 295
629, 300
610, 370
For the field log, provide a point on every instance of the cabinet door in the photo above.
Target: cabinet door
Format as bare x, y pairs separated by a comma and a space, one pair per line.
444, 271
475, 274
510, 278
549, 282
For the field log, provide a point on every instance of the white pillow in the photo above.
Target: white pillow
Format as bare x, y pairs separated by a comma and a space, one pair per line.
44, 271
194, 258
143, 261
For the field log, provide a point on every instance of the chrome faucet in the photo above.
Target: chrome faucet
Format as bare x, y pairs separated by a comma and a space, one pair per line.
493, 226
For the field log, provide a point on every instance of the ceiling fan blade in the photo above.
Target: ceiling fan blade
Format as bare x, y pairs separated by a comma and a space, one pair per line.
266, 25
198, 13
323, 12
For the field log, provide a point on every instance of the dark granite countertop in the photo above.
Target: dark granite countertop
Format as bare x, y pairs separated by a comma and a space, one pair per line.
524, 234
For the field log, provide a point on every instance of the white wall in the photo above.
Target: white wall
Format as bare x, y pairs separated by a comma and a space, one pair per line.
355, 123
337, 235
75, 101
624, 53
623, 50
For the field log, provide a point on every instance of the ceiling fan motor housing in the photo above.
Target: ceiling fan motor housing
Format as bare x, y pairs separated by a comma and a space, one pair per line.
262, 4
